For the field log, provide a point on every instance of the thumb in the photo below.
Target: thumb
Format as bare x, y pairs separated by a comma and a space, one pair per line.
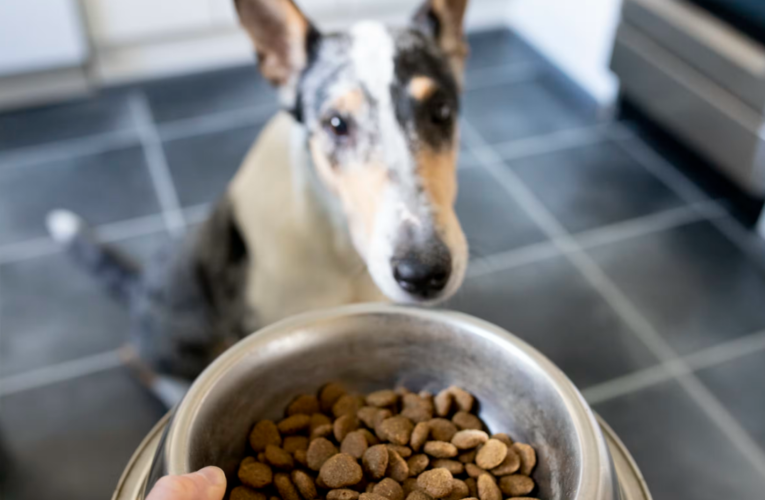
206, 484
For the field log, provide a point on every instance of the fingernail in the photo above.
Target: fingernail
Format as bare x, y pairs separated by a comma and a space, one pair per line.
214, 476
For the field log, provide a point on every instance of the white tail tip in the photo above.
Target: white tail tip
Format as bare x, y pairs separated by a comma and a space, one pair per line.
63, 225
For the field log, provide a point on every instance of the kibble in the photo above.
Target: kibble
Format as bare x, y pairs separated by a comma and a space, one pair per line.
516, 485
491, 454
341, 470
254, 474
436, 483
264, 433
440, 449
387, 445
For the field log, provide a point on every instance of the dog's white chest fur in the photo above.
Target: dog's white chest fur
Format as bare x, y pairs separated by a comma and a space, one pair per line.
300, 257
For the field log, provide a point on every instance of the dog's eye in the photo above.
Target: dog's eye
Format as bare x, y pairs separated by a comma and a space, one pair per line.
440, 112
338, 125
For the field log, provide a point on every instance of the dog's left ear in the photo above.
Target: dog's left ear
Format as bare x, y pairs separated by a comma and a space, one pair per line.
283, 39
442, 19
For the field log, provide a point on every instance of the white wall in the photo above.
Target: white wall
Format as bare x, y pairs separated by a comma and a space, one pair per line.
576, 36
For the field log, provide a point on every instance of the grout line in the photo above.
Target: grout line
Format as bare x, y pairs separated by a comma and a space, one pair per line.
157, 163
215, 122
68, 149
505, 74
608, 290
510, 259
728, 351
59, 373
630, 383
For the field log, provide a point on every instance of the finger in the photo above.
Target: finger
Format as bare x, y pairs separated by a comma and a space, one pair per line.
206, 484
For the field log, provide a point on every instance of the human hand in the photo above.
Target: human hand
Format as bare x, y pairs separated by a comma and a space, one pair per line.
206, 484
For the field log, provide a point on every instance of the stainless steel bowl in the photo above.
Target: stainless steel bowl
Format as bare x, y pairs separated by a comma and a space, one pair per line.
369, 347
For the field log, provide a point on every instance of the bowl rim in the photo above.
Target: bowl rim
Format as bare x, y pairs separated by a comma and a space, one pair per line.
597, 480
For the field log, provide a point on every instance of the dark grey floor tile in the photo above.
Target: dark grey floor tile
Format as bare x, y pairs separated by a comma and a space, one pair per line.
492, 220
52, 312
552, 307
691, 283
206, 93
203, 166
105, 187
496, 48
593, 186
73, 439
520, 110
681, 453
104, 112
738, 384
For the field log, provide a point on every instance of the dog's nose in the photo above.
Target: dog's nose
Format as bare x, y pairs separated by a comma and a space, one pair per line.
422, 278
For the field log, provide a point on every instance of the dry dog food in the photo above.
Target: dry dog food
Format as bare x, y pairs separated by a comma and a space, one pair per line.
387, 445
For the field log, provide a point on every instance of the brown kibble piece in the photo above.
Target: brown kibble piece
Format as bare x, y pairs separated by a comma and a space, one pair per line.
264, 433
245, 493
368, 414
501, 436
487, 488
262, 457
279, 458
472, 487
285, 487
459, 490
418, 495
468, 439
443, 403
346, 405
375, 461
473, 470
389, 489
442, 429
440, 449
382, 399
305, 404
463, 398
343, 425
319, 451
436, 483
305, 484
417, 464
491, 454
509, 465
371, 496
410, 484
528, 458
397, 467
318, 419
452, 466
294, 424
420, 434
417, 408
465, 420
467, 457
329, 394
301, 457
340, 471
322, 431
293, 443
254, 474
342, 494
369, 487
404, 451
354, 444
516, 485
371, 438
396, 429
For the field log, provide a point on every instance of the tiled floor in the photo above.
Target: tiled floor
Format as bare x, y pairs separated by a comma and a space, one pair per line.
585, 243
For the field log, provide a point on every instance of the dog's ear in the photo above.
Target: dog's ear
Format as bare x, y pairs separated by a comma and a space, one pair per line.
283, 38
442, 20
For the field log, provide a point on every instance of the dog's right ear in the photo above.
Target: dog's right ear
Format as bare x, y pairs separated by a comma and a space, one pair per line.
283, 38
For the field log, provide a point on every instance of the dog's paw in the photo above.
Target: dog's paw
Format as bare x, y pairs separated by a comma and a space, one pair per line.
63, 225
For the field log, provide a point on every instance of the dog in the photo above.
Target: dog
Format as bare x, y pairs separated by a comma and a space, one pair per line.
347, 195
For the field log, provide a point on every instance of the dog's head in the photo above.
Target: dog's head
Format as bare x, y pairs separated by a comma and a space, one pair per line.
380, 108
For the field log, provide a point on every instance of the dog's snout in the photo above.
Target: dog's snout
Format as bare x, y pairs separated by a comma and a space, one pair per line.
422, 277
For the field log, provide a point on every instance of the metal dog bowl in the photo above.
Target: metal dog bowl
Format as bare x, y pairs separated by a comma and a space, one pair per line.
369, 347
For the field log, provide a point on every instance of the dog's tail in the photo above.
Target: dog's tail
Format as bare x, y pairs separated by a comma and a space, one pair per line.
116, 272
